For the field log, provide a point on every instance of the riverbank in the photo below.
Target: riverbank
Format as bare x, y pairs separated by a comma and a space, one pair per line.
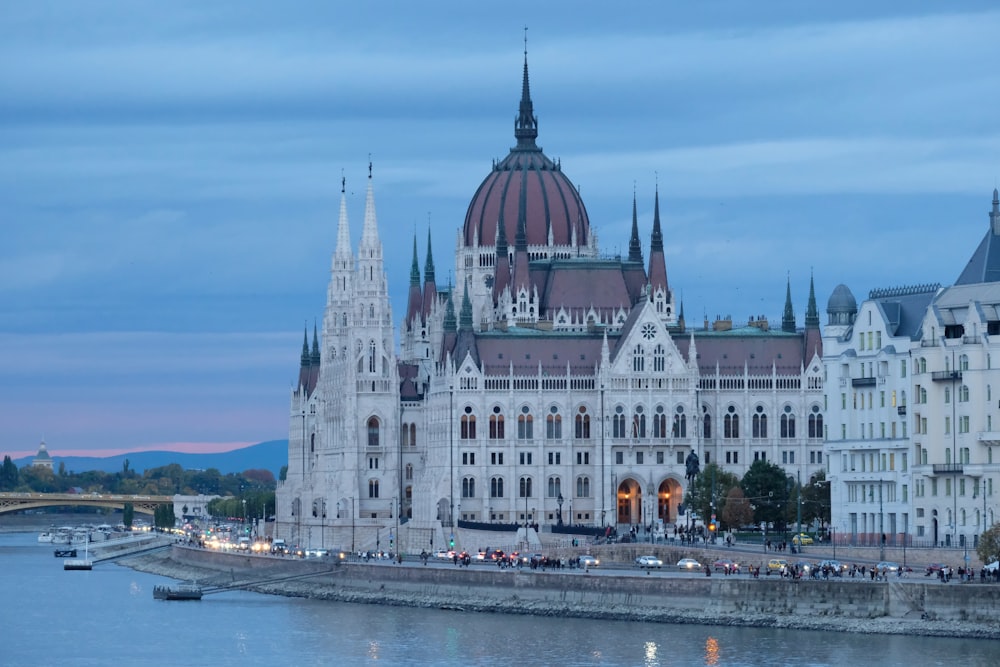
626, 598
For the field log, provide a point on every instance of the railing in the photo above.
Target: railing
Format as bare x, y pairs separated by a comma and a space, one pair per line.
863, 382
901, 410
951, 376
956, 468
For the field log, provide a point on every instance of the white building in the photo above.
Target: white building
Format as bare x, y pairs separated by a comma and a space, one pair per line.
553, 384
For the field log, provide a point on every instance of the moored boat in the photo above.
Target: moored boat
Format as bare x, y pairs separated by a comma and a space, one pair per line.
46, 535
178, 592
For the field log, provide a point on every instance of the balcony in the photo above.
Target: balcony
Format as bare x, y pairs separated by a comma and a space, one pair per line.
988, 437
901, 410
948, 468
946, 376
863, 382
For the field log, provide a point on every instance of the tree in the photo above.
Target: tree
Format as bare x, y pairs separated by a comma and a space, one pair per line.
767, 488
816, 499
163, 516
698, 497
989, 545
737, 511
128, 515
8, 475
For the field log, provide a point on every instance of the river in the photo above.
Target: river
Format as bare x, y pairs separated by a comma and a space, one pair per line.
108, 617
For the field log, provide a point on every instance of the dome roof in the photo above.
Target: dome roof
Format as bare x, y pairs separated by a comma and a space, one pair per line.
842, 301
527, 185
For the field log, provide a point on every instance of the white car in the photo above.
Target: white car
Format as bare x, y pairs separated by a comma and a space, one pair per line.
589, 561
648, 561
688, 564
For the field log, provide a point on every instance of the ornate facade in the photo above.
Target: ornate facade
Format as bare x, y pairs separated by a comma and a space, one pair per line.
551, 384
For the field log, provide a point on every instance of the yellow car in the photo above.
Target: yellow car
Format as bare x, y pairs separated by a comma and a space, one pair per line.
801, 539
775, 564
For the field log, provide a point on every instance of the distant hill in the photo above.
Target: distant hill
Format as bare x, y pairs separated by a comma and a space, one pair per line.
271, 455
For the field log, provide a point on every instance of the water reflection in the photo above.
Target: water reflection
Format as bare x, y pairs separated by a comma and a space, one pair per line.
711, 651
650, 654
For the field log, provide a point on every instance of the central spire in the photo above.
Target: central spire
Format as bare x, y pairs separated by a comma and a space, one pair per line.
526, 125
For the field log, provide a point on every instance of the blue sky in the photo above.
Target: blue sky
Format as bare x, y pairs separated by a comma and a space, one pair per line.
170, 173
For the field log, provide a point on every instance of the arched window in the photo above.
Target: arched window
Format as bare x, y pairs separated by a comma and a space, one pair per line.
371, 357
963, 394
638, 423
680, 429
638, 359
788, 423
468, 425
409, 471
618, 423
555, 487
815, 423
312, 442
496, 424
731, 424
373, 429
706, 431
922, 365
553, 424
525, 487
658, 359
373, 488
659, 423
496, 487
469, 487
759, 423
583, 487
525, 425
582, 424
963, 362
413, 435
404, 435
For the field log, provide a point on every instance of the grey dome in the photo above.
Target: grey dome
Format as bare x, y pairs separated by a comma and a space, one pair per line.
841, 301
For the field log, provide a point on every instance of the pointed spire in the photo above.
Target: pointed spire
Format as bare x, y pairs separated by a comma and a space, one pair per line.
315, 356
343, 250
305, 345
415, 266
450, 325
634, 246
995, 213
369, 233
429, 264
812, 313
526, 125
465, 319
788, 318
656, 242
502, 248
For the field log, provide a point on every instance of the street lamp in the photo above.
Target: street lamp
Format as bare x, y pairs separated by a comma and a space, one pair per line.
559, 501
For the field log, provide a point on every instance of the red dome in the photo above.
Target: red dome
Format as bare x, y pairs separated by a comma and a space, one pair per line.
527, 184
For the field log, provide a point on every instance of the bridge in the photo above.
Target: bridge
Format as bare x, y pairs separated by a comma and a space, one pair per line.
16, 502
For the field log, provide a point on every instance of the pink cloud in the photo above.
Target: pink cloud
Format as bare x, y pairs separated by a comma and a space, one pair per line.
182, 447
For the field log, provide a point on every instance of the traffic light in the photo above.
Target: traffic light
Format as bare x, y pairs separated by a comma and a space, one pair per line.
451, 543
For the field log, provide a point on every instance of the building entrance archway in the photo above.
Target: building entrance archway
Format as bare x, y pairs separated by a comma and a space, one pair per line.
629, 502
668, 496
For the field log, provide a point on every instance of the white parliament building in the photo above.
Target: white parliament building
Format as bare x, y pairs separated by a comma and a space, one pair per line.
554, 383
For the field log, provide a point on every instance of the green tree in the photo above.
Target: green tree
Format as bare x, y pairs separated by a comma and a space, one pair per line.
8, 475
769, 490
163, 516
737, 511
128, 515
816, 499
699, 498
283, 473
989, 545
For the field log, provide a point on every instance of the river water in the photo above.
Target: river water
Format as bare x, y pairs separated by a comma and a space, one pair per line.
108, 617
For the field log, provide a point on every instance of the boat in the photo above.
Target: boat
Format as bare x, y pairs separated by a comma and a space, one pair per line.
178, 592
65, 553
46, 535
79, 563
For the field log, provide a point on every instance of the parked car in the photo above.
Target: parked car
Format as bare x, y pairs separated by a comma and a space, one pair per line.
802, 539
649, 561
776, 564
887, 566
934, 568
589, 561
835, 567
688, 564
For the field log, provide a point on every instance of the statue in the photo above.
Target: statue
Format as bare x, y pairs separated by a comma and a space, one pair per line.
693, 466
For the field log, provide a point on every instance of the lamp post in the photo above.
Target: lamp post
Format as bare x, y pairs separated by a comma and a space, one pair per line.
881, 525
559, 501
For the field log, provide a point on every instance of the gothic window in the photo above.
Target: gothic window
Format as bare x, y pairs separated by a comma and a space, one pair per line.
815, 423
583, 487
706, 430
638, 359
525, 425
963, 394
496, 424
618, 423
373, 488
373, 432
468, 423
409, 471
680, 423
731, 424
759, 426
371, 357
469, 487
649, 331
555, 487
404, 435
638, 423
525, 487
553, 424
963, 362
788, 423
659, 423
659, 359
413, 435
582, 424
496, 487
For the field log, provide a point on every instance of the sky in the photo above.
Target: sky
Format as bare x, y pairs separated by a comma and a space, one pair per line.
170, 173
